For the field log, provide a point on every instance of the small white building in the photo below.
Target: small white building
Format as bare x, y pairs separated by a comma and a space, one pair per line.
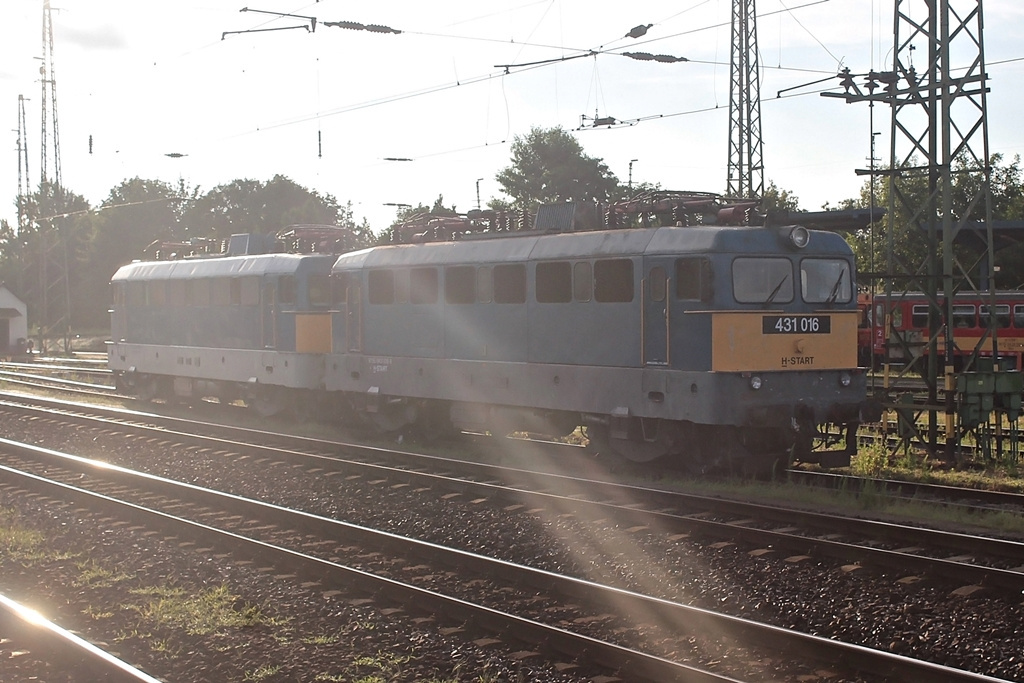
13, 322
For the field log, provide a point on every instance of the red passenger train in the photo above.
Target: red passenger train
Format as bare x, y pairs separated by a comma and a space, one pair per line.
904, 335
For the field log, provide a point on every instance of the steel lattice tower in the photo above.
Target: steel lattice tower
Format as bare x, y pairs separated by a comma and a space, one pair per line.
746, 166
939, 128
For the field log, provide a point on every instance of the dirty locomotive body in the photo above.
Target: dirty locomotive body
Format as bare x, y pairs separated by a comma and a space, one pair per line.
709, 345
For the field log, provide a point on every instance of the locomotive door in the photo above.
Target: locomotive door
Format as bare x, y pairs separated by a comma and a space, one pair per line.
354, 315
655, 317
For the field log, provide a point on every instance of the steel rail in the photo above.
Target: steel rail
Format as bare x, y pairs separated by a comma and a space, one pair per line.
598, 499
90, 661
673, 615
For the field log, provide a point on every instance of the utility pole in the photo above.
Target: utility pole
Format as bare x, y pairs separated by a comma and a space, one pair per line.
746, 164
53, 201
938, 119
24, 184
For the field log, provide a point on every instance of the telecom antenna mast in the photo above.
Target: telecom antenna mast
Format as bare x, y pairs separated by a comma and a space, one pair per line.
53, 205
746, 165
49, 103
24, 184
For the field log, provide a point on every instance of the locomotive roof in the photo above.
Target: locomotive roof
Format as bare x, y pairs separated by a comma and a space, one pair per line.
670, 241
228, 266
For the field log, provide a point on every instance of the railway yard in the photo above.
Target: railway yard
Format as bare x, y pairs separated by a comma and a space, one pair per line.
205, 551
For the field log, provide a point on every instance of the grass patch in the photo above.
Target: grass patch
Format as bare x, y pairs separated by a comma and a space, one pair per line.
92, 575
204, 613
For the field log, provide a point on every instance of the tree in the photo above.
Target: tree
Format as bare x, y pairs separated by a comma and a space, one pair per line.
548, 165
250, 206
909, 245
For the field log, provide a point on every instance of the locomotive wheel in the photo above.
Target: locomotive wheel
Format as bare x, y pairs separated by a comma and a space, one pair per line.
652, 439
266, 404
146, 388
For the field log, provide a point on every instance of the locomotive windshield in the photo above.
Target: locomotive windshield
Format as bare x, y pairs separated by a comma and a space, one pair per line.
825, 281
762, 280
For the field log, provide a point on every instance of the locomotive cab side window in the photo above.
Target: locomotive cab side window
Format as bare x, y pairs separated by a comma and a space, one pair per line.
484, 285
825, 281
693, 279
249, 291
382, 287
553, 281
919, 316
762, 280
613, 280
319, 290
287, 290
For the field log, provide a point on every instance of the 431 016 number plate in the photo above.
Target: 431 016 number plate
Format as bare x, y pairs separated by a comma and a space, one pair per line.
796, 324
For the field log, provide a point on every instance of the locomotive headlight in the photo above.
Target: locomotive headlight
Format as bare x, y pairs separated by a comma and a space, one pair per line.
799, 236
845, 379
755, 382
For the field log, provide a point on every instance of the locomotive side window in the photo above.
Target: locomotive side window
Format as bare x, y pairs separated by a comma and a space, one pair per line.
825, 281
319, 290
582, 281
553, 282
155, 293
762, 280
175, 292
963, 316
1018, 315
510, 284
1002, 315
200, 292
423, 285
249, 291
287, 290
382, 287
236, 292
459, 285
135, 294
693, 279
613, 281
220, 292
484, 285
919, 316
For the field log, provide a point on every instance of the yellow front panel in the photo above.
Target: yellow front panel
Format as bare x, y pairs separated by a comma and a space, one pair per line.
313, 333
740, 342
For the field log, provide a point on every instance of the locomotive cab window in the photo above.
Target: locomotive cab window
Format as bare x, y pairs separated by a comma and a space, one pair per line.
554, 282
382, 287
693, 279
825, 281
762, 280
287, 290
613, 281
319, 290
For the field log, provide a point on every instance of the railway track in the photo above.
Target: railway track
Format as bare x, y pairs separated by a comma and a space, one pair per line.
716, 521
41, 650
281, 537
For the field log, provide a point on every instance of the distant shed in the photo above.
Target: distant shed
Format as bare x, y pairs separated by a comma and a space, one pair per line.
13, 322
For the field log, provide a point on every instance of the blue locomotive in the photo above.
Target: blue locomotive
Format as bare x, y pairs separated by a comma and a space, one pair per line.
688, 335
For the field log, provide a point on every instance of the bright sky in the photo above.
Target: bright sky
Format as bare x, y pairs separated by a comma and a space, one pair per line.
327, 108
